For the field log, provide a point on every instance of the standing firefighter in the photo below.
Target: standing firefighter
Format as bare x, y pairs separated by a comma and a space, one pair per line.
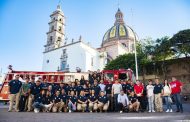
14, 90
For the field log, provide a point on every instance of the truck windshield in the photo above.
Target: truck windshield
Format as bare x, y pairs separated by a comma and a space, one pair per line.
123, 76
109, 76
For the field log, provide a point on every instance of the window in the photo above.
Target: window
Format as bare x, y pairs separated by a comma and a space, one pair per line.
60, 28
51, 39
60, 20
59, 39
52, 28
47, 61
64, 51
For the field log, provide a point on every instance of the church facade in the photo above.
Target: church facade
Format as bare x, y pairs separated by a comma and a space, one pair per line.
62, 56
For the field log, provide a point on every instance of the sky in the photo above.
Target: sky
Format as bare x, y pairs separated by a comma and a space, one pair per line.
24, 23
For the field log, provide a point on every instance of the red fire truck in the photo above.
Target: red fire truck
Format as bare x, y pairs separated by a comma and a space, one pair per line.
65, 77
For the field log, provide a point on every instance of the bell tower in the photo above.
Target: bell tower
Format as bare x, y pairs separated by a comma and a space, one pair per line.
56, 33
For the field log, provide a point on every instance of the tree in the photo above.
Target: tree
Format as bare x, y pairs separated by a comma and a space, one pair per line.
181, 41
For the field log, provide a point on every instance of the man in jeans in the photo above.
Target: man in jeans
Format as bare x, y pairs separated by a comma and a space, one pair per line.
150, 96
176, 87
14, 90
116, 89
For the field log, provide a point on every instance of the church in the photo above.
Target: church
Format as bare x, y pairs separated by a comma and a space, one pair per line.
59, 55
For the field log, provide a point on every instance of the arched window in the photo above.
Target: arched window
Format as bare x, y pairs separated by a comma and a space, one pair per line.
60, 28
59, 39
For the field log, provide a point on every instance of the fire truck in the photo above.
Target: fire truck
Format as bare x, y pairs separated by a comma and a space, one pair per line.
65, 77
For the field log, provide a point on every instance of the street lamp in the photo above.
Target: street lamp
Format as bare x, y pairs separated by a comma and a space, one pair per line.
136, 63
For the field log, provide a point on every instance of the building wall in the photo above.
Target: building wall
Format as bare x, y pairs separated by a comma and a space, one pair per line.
79, 55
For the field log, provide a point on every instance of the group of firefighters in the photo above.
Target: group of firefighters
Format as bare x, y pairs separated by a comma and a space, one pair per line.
92, 95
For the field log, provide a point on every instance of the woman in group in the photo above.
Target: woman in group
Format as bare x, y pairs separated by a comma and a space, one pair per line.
166, 94
82, 80
93, 101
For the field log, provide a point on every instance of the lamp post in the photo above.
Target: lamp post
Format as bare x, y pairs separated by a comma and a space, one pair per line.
135, 49
136, 64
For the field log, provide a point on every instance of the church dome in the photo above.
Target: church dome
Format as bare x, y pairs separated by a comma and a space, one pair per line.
120, 31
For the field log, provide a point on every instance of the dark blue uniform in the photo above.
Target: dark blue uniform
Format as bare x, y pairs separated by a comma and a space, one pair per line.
103, 99
73, 89
64, 98
108, 88
79, 88
92, 98
73, 99
35, 89
133, 99
129, 88
45, 85
39, 98
124, 86
87, 91
67, 88
47, 100
57, 99
82, 98
96, 89
15, 86
59, 88
158, 88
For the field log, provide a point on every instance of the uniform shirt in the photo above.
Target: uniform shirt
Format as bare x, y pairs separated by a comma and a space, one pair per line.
116, 88
47, 100
79, 88
59, 88
108, 88
67, 88
57, 99
73, 99
129, 88
15, 86
87, 91
82, 98
35, 89
124, 87
91, 80
102, 87
96, 89
133, 99
73, 89
150, 89
64, 98
158, 88
175, 86
93, 98
45, 85
31, 84
103, 99
25, 87
38, 98
82, 82
138, 89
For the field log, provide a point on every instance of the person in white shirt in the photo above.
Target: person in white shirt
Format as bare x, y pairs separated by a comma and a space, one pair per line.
102, 86
166, 94
150, 95
123, 101
116, 89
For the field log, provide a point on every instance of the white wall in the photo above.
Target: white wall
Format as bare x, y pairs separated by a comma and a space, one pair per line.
79, 55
